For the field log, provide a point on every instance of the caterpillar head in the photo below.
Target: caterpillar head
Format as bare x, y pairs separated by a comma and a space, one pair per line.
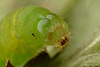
54, 30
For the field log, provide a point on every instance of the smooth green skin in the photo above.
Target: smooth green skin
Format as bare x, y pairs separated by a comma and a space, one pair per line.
16, 40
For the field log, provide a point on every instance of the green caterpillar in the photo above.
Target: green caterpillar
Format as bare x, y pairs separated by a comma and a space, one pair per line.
27, 31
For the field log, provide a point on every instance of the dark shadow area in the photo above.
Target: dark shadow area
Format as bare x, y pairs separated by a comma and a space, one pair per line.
41, 60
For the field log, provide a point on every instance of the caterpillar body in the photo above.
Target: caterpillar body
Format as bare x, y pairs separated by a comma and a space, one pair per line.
25, 32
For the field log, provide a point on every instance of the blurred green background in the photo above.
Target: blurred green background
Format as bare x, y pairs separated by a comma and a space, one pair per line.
83, 18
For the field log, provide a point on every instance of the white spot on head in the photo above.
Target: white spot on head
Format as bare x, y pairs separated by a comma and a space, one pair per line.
63, 37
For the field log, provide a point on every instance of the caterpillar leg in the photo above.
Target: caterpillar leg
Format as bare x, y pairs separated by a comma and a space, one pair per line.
9, 64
